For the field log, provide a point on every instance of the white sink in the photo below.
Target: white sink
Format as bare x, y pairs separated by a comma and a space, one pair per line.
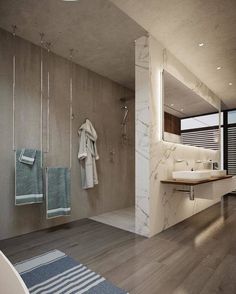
218, 173
192, 175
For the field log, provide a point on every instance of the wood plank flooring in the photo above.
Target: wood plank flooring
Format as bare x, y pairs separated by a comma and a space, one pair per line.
197, 255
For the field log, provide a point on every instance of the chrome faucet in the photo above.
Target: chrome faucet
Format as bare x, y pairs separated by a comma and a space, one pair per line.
181, 160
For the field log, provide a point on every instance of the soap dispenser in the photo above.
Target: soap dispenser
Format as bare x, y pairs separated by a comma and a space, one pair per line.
215, 165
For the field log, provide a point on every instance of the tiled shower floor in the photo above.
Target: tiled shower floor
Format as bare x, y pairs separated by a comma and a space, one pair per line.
122, 218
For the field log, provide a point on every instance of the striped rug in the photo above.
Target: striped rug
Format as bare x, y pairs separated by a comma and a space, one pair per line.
55, 272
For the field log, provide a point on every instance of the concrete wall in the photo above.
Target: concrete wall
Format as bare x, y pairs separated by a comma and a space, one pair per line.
94, 97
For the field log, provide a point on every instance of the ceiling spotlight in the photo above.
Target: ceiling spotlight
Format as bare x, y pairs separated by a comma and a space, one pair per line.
182, 109
230, 84
219, 67
201, 44
172, 104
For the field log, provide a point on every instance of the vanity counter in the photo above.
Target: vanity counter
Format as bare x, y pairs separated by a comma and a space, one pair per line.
195, 182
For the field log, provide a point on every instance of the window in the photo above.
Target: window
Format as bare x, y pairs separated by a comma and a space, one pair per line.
232, 117
230, 142
231, 150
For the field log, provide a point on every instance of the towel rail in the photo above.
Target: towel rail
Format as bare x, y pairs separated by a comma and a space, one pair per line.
14, 28
47, 46
71, 103
41, 96
14, 148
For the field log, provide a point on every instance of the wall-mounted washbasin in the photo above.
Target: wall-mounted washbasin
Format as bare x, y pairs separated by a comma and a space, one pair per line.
218, 173
198, 174
192, 175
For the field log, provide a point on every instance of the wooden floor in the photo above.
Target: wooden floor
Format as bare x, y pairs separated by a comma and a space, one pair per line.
195, 256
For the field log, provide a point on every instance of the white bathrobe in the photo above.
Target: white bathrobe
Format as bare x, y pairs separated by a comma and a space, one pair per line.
88, 155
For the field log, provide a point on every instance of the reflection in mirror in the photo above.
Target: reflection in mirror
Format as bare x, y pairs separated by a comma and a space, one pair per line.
188, 118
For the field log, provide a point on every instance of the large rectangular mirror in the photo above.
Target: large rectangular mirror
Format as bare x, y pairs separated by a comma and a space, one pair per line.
188, 118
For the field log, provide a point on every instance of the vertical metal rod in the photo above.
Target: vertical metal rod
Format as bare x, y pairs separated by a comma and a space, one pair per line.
220, 135
71, 102
48, 115
48, 101
191, 195
13, 95
41, 96
13, 86
222, 206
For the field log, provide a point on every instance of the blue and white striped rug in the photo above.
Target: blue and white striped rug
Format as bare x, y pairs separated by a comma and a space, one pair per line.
55, 272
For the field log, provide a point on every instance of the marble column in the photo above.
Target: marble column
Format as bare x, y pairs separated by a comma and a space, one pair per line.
142, 143
159, 206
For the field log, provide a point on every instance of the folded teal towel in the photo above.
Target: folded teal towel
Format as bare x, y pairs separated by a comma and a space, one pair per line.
27, 156
28, 180
58, 191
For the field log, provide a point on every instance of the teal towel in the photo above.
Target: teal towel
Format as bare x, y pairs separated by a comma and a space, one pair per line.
27, 156
58, 191
28, 180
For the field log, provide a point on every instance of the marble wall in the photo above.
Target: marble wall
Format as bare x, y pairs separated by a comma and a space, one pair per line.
159, 206
142, 135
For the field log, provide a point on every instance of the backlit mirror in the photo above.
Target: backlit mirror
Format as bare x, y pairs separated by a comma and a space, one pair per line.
188, 118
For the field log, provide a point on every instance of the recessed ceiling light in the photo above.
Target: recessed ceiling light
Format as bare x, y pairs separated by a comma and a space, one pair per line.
230, 84
181, 109
219, 67
172, 104
201, 44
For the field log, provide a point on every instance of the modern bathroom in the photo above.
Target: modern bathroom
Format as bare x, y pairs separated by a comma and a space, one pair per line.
118, 147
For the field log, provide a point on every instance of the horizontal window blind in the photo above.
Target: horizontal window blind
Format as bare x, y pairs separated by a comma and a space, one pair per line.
232, 150
208, 138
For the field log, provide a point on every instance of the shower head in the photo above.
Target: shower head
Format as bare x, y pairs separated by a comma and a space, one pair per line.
126, 110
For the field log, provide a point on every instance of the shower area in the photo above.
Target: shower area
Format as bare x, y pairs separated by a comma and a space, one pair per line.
51, 84
44, 100
124, 218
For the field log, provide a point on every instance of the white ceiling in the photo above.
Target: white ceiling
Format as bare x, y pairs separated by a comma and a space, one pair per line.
181, 101
180, 25
100, 33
